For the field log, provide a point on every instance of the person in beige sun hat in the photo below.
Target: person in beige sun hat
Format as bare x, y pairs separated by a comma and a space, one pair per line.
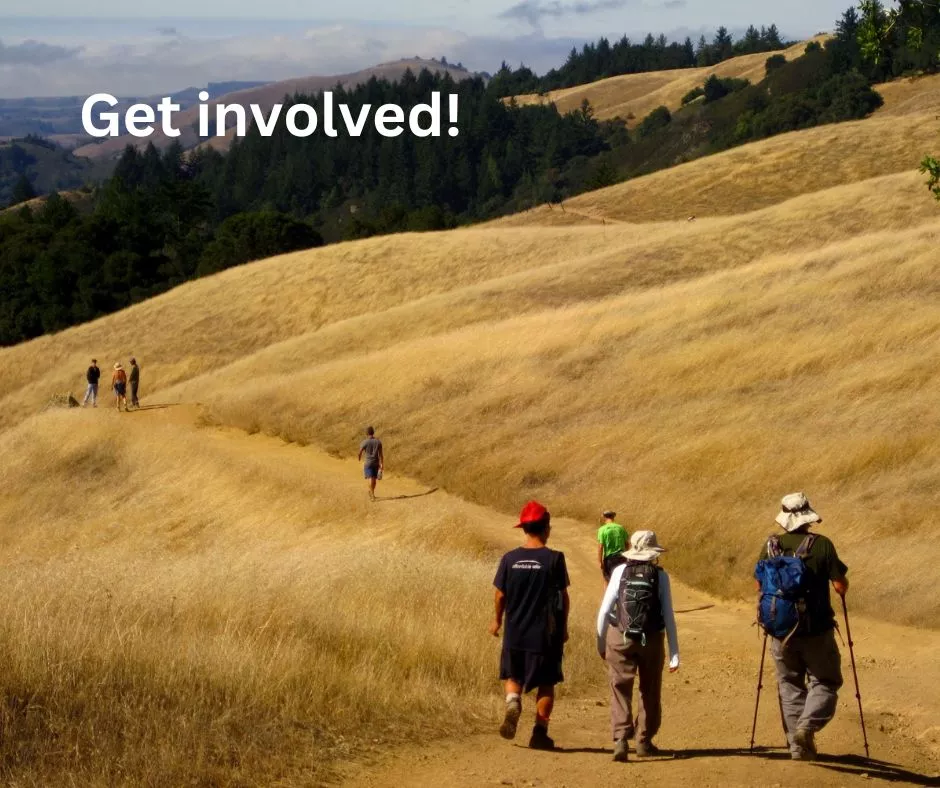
796, 512
808, 663
634, 623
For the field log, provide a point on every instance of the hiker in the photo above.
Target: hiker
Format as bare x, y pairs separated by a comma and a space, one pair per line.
134, 380
635, 611
809, 667
119, 384
375, 460
611, 542
532, 592
92, 375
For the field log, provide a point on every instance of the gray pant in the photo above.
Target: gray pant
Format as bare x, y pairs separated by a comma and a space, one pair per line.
91, 393
809, 675
624, 662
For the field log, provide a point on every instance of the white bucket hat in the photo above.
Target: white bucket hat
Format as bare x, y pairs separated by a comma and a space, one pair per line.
796, 512
643, 546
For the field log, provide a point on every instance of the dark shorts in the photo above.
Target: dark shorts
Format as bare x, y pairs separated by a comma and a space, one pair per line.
371, 471
531, 669
120, 389
611, 562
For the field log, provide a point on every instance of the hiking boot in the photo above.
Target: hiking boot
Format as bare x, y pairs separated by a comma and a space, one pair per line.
513, 711
621, 750
647, 750
805, 741
540, 739
802, 755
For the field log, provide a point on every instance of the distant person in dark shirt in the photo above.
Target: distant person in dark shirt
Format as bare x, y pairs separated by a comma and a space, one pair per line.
532, 593
133, 380
374, 464
92, 376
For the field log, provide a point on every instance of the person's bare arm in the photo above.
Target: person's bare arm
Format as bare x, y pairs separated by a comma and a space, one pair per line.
600, 555
499, 605
360, 454
381, 458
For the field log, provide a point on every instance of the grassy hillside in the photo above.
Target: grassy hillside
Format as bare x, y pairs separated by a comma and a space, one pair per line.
666, 365
185, 603
633, 96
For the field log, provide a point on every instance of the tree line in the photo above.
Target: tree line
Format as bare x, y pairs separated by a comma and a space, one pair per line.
165, 218
602, 59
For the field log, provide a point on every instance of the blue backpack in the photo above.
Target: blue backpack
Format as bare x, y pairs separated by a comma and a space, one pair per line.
784, 588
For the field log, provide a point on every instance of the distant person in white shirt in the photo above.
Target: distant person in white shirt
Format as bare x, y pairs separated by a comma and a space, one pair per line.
634, 619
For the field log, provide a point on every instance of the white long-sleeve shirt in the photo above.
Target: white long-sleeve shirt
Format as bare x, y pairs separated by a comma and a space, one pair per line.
665, 600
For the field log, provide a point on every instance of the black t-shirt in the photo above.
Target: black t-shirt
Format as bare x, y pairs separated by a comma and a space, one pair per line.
532, 580
93, 374
824, 566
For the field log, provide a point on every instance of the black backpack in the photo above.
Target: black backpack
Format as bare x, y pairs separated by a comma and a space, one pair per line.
639, 612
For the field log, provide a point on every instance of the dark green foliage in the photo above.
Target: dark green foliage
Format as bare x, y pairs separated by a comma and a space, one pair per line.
774, 62
693, 94
46, 166
254, 236
930, 166
812, 46
716, 87
658, 119
22, 191
603, 59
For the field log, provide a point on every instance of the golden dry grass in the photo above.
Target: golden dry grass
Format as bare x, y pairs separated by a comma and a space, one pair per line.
633, 96
178, 610
184, 602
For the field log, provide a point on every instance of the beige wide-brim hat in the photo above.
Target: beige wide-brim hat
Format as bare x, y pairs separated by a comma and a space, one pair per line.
795, 512
118, 366
644, 546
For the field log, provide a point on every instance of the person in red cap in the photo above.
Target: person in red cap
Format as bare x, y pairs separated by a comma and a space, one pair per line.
532, 592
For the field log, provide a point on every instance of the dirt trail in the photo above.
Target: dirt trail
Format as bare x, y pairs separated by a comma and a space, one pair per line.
708, 704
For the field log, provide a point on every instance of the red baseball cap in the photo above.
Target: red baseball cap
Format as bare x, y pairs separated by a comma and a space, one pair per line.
532, 512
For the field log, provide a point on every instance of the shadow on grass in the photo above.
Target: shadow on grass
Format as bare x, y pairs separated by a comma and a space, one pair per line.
153, 407
405, 497
695, 609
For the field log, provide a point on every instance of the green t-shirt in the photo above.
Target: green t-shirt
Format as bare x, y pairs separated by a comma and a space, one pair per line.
824, 564
613, 537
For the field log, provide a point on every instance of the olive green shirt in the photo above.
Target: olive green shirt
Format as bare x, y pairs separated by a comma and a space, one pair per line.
824, 566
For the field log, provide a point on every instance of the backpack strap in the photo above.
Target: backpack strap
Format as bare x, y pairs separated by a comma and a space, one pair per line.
773, 547
805, 546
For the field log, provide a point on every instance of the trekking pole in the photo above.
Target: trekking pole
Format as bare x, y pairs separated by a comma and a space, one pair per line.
858, 694
760, 684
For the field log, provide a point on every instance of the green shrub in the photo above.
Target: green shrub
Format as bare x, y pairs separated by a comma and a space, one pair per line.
659, 118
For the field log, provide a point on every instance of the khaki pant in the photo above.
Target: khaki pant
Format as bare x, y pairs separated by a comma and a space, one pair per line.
809, 675
624, 661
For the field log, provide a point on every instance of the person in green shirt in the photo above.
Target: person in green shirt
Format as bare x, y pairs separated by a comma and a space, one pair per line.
612, 540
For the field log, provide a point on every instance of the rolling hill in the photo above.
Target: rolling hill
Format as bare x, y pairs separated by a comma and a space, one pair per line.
611, 354
265, 96
633, 96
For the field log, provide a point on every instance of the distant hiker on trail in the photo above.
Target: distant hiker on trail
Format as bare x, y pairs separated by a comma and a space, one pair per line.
800, 622
119, 384
532, 592
611, 542
636, 610
92, 375
134, 380
371, 447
